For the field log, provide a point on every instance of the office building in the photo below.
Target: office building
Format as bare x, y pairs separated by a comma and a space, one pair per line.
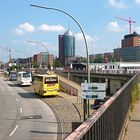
130, 49
101, 57
131, 40
66, 48
43, 59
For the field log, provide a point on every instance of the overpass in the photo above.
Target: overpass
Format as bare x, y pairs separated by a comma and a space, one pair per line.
115, 80
108, 122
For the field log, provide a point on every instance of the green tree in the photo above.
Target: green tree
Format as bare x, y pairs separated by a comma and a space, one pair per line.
57, 63
98, 60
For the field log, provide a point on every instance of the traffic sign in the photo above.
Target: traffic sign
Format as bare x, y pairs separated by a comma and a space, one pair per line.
93, 90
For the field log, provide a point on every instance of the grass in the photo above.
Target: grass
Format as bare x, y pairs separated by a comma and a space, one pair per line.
135, 95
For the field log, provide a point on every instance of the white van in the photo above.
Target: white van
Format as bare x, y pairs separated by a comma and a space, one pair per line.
24, 78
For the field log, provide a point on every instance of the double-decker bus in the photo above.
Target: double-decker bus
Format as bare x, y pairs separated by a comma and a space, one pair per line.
24, 78
46, 84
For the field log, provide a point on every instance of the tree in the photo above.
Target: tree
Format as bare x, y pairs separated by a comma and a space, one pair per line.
57, 63
98, 60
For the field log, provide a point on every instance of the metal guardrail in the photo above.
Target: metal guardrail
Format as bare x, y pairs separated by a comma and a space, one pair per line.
107, 122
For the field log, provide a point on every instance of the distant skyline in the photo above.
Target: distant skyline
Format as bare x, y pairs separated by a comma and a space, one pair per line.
21, 22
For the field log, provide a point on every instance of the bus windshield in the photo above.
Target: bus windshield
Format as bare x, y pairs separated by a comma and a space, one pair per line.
26, 75
51, 80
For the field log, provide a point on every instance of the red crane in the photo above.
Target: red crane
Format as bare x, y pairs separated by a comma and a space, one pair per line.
130, 21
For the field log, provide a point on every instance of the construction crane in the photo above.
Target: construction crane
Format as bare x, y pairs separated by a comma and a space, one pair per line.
8, 50
130, 21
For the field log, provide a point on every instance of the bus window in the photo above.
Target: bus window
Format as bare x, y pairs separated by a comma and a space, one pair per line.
26, 75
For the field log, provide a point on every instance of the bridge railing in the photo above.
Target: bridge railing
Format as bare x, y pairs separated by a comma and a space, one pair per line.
108, 121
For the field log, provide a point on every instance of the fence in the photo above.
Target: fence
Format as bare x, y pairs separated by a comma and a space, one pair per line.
68, 88
107, 122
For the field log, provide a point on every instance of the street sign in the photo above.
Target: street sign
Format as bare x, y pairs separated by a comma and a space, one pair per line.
93, 90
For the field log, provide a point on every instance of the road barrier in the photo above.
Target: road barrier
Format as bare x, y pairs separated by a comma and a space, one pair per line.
68, 88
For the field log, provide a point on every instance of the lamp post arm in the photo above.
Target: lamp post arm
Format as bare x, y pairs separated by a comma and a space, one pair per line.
88, 70
55, 9
47, 51
41, 44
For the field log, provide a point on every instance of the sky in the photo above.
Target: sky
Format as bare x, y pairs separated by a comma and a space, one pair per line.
99, 19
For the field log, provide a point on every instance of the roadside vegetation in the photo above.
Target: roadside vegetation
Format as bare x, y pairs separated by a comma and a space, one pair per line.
135, 94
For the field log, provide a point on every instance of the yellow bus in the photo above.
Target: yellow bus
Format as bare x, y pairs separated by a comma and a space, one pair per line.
46, 84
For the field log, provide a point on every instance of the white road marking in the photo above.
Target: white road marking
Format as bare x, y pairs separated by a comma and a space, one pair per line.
20, 110
31, 117
16, 99
14, 130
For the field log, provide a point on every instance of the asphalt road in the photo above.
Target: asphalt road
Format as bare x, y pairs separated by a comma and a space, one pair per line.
23, 116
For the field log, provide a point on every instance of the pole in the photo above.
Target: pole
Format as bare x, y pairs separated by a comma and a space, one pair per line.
88, 70
36, 42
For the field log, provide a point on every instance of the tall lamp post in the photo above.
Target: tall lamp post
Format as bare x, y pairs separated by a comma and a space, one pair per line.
88, 70
36, 42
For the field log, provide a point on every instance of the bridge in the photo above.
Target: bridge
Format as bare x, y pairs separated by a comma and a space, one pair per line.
108, 122
115, 79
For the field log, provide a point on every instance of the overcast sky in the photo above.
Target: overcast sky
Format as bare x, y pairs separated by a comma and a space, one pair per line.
20, 22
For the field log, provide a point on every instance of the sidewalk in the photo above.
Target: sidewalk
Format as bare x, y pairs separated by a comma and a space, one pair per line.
133, 128
76, 100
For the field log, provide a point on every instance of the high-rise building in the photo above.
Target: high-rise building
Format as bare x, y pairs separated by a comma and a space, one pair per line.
130, 49
66, 48
131, 40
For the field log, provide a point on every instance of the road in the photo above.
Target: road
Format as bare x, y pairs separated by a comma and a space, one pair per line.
23, 116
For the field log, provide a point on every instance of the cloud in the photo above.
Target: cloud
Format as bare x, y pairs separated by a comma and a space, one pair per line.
79, 37
114, 27
117, 4
137, 1
18, 31
91, 41
27, 27
52, 28
23, 28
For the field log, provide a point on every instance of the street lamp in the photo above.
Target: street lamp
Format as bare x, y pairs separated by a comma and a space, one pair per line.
36, 42
88, 70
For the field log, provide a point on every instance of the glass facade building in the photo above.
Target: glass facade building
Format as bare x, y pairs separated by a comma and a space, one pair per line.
128, 54
130, 49
43, 59
66, 48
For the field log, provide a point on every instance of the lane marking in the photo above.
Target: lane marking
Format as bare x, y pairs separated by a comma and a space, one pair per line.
16, 99
20, 110
14, 130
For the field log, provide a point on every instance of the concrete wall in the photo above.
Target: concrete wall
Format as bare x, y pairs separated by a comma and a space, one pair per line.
115, 85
